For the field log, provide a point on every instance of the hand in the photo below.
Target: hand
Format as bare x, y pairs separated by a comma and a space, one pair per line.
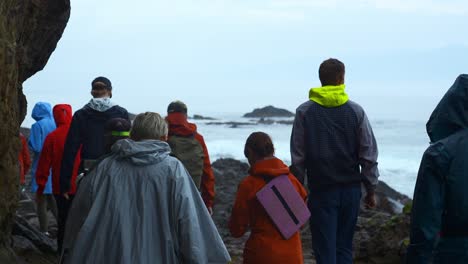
210, 210
66, 196
39, 197
370, 200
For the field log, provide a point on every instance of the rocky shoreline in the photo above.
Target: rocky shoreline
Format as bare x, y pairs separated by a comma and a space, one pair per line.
381, 234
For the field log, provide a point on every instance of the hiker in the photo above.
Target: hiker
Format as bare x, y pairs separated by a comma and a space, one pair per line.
42, 113
87, 131
332, 144
265, 244
50, 161
24, 159
115, 130
189, 147
139, 205
439, 217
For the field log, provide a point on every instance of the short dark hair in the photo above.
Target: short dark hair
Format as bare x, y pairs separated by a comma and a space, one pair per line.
331, 72
260, 143
101, 83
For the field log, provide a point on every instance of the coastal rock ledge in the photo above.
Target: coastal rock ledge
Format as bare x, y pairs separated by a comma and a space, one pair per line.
269, 111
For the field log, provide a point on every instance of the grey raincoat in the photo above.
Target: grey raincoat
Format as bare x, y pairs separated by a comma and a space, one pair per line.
439, 219
140, 205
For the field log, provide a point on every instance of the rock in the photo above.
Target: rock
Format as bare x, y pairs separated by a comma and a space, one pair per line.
269, 111
232, 124
29, 32
200, 117
24, 229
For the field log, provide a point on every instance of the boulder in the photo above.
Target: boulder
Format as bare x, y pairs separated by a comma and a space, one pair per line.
200, 117
269, 111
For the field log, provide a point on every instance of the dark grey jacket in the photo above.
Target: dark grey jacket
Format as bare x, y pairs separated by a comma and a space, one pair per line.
333, 146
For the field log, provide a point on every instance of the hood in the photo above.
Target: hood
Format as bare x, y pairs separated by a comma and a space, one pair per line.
100, 104
451, 114
179, 125
41, 110
270, 167
144, 152
63, 114
329, 96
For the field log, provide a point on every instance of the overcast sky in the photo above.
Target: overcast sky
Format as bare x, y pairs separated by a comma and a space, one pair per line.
222, 56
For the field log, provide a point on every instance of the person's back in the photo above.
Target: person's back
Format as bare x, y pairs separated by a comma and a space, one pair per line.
87, 130
143, 201
332, 144
265, 244
439, 218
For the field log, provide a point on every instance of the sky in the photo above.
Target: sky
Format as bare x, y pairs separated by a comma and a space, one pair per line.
227, 57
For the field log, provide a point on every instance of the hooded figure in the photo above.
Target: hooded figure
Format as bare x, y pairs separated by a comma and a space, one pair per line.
439, 219
51, 159
42, 113
139, 205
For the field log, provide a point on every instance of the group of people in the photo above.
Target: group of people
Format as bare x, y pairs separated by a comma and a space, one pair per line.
143, 191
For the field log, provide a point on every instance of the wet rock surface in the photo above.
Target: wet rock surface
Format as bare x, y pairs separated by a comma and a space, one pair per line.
269, 111
381, 233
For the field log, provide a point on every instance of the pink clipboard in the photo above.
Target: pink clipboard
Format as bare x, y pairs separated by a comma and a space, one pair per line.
284, 205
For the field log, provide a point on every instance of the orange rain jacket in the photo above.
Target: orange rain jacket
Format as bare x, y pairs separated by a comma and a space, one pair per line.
265, 244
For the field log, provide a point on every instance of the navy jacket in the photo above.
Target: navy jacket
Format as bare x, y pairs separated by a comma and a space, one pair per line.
86, 131
439, 218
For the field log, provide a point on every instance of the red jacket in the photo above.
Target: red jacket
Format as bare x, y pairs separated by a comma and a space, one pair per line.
24, 159
52, 152
178, 125
265, 244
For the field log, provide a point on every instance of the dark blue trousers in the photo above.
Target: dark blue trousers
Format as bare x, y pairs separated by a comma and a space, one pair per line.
333, 220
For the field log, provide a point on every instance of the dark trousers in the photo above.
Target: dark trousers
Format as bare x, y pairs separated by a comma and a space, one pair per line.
333, 219
63, 206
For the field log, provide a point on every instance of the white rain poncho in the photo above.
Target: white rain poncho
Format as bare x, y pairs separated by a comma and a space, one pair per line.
139, 205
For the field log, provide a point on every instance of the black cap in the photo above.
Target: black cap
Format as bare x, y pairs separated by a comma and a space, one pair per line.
118, 124
177, 107
104, 83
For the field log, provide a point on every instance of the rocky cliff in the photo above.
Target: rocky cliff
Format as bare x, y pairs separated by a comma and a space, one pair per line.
29, 32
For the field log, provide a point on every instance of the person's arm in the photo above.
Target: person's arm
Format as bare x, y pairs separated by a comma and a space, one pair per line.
35, 139
298, 145
44, 165
428, 205
239, 221
26, 157
72, 145
368, 154
208, 180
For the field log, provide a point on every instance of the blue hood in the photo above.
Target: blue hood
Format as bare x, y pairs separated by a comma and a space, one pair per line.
451, 114
41, 110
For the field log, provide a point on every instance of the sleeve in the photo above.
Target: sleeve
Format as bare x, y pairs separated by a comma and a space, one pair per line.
299, 187
428, 205
26, 159
44, 165
35, 138
72, 145
368, 153
197, 236
239, 221
298, 151
208, 179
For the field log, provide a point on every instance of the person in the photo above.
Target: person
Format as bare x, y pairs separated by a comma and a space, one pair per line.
333, 146
265, 244
115, 130
42, 113
439, 217
24, 159
139, 205
188, 146
87, 131
50, 160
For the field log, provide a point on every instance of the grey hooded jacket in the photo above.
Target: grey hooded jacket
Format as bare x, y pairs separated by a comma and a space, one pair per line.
140, 205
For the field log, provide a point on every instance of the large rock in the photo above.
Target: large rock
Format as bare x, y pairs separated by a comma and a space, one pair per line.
380, 233
269, 111
29, 32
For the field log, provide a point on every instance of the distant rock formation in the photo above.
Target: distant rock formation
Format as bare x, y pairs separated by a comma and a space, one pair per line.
29, 32
269, 111
200, 117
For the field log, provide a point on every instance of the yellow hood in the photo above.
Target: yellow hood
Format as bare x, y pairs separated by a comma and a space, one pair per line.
329, 96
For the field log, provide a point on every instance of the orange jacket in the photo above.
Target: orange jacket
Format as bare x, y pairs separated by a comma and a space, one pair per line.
179, 125
265, 244
24, 159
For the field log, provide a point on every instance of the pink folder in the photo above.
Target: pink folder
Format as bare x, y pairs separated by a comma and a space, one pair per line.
284, 205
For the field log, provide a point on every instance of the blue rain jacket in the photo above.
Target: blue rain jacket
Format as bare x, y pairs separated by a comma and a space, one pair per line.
42, 113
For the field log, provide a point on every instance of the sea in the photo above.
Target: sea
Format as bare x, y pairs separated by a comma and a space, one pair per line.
401, 144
